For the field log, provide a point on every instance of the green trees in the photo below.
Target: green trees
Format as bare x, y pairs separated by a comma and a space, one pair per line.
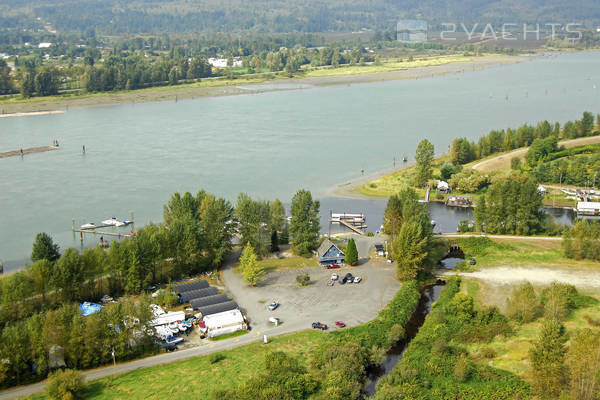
253, 218
461, 151
410, 249
44, 248
216, 224
6, 83
548, 360
541, 148
512, 206
523, 305
582, 240
468, 181
68, 275
65, 385
351, 253
249, 267
424, 158
583, 361
304, 226
400, 208
587, 123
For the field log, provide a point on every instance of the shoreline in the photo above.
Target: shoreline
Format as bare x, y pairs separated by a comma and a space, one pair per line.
248, 85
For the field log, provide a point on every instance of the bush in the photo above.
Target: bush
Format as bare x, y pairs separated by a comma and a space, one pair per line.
515, 163
523, 306
488, 352
468, 181
65, 385
466, 226
449, 169
216, 357
396, 334
303, 279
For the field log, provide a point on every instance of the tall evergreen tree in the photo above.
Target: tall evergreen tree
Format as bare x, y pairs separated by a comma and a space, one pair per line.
410, 250
351, 253
304, 226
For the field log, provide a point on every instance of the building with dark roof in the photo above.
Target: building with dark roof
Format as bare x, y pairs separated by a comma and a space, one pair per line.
329, 253
186, 287
217, 308
186, 297
208, 301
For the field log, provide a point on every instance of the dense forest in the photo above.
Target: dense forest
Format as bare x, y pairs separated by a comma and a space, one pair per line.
152, 16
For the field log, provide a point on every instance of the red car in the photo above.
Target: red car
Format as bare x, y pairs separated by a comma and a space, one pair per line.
340, 324
331, 266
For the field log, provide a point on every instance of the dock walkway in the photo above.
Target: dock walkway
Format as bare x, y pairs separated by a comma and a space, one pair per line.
30, 150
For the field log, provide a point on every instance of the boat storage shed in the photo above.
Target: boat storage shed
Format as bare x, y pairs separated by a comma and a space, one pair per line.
186, 297
224, 323
217, 308
209, 301
186, 287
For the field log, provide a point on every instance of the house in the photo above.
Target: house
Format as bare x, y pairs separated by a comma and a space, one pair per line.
542, 190
458, 201
443, 187
224, 322
329, 253
588, 208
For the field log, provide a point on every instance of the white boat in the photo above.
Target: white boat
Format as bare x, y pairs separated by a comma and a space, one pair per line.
174, 327
113, 221
89, 225
182, 327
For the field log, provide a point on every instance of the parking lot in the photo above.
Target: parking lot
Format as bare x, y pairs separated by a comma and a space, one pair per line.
351, 303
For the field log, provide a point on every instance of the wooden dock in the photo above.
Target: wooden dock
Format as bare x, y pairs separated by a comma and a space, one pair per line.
355, 229
30, 150
94, 230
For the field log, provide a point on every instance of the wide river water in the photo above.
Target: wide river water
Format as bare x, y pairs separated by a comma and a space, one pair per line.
268, 145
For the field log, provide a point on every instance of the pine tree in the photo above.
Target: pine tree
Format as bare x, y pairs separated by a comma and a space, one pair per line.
424, 157
304, 226
410, 250
351, 253
44, 248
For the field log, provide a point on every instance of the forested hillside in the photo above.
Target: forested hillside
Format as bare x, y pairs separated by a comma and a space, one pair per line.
177, 16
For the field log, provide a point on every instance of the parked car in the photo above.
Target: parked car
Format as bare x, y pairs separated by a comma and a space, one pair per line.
273, 305
318, 325
334, 277
342, 281
332, 266
349, 277
340, 324
357, 279
173, 340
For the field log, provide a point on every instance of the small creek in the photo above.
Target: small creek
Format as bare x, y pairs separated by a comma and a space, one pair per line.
429, 296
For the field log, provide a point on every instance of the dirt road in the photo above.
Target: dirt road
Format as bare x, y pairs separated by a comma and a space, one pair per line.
503, 160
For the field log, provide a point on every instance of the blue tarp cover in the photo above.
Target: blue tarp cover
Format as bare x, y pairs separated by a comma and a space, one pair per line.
88, 308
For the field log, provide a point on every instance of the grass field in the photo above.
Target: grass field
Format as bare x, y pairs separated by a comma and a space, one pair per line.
197, 378
294, 262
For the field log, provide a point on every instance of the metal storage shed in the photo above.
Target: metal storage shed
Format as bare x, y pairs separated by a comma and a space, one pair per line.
209, 301
217, 308
186, 297
186, 287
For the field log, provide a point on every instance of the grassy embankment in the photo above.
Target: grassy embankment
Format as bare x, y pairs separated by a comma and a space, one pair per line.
498, 163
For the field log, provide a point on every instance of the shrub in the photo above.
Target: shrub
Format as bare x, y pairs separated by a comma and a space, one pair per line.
303, 279
523, 306
466, 226
396, 334
515, 163
468, 181
449, 169
216, 357
461, 369
65, 385
488, 352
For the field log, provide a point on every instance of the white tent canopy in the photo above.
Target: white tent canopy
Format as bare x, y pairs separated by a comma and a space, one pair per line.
168, 318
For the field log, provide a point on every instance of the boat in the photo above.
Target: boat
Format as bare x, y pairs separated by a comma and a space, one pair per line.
174, 327
113, 221
182, 327
89, 225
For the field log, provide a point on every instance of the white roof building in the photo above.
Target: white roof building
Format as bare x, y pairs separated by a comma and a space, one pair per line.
542, 190
442, 185
44, 45
223, 323
168, 318
588, 208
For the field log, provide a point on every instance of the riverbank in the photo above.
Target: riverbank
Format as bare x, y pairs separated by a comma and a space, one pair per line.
253, 84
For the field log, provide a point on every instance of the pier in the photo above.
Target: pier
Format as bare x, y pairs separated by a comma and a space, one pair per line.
30, 150
95, 230
354, 222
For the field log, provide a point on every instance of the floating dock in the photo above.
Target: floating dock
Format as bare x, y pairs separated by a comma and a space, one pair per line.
30, 150
354, 222
95, 230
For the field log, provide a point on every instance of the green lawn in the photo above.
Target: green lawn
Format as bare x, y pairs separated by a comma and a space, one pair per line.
197, 378
294, 262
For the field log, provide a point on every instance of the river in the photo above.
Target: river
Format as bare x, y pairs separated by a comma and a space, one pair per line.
268, 145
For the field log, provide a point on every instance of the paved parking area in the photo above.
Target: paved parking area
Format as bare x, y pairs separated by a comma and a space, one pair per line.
300, 306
